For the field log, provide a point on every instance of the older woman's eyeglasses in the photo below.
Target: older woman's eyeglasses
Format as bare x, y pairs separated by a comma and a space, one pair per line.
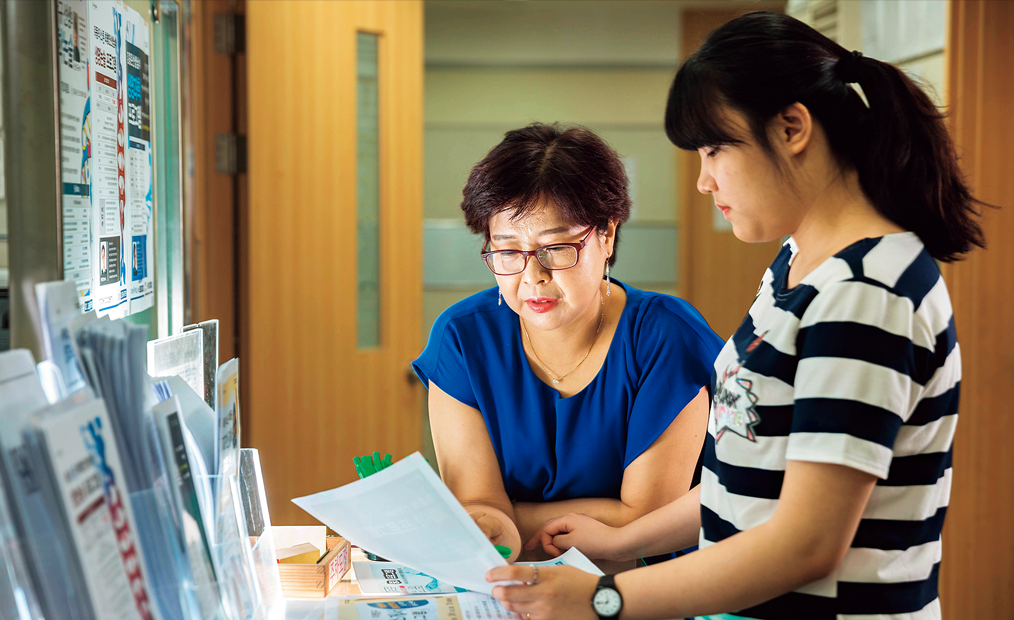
553, 257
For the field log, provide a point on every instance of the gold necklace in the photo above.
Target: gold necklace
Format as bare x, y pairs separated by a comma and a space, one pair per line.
557, 380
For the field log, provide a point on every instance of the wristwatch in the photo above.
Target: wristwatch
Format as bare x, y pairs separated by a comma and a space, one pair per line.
607, 601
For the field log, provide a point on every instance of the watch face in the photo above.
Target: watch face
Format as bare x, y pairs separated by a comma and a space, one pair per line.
607, 602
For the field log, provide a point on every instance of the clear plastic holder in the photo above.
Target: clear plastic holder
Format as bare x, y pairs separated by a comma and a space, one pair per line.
258, 524
240, 566
17, 597
172, 587
161, 536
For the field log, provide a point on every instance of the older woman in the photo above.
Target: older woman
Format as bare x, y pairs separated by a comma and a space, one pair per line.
561, 390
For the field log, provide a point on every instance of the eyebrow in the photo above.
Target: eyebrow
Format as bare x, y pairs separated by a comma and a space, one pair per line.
551, 231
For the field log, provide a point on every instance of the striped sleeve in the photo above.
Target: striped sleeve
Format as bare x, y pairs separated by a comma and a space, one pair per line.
857, 377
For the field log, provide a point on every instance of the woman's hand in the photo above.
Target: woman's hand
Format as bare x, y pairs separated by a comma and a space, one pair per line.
592, 538
491, 526
559, 592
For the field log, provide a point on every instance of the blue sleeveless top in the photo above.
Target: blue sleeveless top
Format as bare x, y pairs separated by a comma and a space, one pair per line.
551, 448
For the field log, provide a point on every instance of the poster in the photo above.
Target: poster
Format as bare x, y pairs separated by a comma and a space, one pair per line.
75, 146
138, 239
108, 158
106, 155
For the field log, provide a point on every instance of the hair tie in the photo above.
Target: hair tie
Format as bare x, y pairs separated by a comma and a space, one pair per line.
848, 67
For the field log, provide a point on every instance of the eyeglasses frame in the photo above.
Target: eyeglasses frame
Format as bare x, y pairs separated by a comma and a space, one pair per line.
530, 253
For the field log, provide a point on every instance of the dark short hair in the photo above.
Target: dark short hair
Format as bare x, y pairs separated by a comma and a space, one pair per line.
763, 62
566, 165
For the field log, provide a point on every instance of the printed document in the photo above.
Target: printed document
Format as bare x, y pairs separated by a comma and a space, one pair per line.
405, 513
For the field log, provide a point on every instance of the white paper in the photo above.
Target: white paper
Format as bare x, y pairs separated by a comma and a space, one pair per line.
464, 606
391, 578
75, 146
570, 557
405, 513
108, 158
59, 304
181, 356
292, 535
88, 475
138, 235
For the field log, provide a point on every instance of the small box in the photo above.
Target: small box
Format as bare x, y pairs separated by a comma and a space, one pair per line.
316, 580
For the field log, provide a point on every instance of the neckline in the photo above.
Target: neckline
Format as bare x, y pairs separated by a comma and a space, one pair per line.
518, 336
783, 279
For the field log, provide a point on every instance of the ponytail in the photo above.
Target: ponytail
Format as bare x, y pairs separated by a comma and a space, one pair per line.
909, 168
761, 63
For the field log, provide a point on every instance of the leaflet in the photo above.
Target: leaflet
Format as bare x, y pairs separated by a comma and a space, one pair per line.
87, 473
390, 578
138, 239
464, 606
108, 157
75, 146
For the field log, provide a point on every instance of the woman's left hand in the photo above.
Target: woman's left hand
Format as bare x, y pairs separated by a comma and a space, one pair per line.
559, 592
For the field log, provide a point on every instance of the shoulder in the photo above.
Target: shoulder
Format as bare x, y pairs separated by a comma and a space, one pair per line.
473, 321
662, 317
480, 307
895, 268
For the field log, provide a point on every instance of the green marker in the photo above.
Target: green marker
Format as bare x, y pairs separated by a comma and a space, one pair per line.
505, 552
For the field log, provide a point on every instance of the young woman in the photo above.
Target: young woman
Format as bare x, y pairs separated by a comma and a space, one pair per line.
561, 390
827, 462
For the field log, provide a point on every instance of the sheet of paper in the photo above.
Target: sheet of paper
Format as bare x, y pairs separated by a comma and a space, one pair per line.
182, 356
107, 167
571, 557
391, 578
100, 522
464, 606
406, 514
75, 146
139, 231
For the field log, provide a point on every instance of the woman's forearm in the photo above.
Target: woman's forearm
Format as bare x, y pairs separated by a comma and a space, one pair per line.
721, 578
673, 527
531, 515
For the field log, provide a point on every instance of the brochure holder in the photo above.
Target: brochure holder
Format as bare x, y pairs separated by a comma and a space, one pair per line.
258, 524
231, 552
17, 598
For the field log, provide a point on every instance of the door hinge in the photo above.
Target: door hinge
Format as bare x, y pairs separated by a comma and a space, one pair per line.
230, 34
230, 153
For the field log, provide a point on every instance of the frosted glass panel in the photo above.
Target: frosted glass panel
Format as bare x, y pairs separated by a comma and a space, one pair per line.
368, 191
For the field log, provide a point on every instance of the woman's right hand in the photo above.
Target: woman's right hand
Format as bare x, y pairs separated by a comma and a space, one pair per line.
592, 538
491, 526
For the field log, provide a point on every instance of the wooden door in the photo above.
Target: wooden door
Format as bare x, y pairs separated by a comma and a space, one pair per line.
977, 572
718, 273
315, 397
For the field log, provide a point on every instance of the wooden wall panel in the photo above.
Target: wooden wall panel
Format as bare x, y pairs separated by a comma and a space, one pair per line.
719, 274
211, 222
977, 572
314, 399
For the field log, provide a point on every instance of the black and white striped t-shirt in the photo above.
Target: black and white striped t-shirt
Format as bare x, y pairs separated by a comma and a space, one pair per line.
857, 365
